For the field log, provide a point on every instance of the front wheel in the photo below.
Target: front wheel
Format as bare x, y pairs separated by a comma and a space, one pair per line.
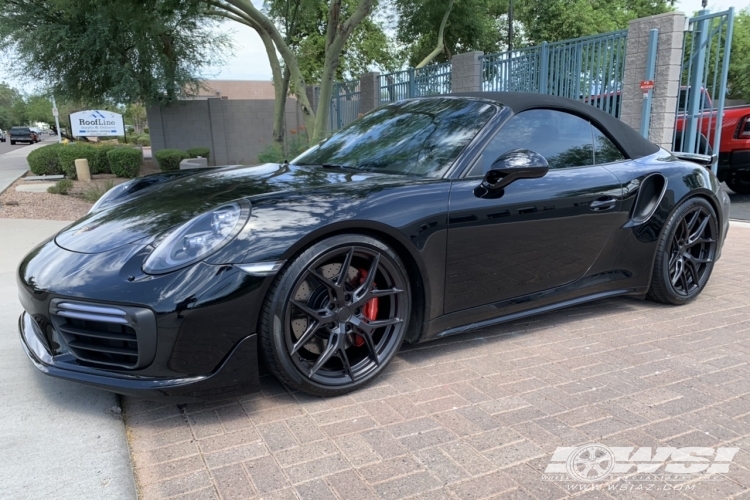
336, 315
685, 253
739, 183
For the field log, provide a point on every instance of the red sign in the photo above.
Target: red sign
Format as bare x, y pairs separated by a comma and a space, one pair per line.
647, 85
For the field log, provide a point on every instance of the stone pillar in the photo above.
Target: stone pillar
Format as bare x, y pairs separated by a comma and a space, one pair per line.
155, 128
671, 28
369, 92
466, 72
217, 126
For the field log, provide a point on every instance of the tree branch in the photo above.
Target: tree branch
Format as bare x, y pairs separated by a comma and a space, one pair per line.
265, 24
441, 40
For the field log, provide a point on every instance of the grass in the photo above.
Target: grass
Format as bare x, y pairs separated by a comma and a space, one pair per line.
93, 193
62, 186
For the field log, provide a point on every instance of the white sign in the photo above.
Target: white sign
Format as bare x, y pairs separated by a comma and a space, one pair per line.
96, 123
55, 113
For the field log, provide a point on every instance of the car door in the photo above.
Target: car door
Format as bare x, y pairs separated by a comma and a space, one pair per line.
538, 234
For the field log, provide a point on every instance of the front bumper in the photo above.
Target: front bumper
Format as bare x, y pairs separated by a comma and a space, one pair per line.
236, 375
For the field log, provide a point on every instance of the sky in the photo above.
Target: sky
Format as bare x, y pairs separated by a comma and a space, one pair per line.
249, 61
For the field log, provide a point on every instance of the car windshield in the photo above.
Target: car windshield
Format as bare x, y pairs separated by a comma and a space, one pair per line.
20, 129
420, 137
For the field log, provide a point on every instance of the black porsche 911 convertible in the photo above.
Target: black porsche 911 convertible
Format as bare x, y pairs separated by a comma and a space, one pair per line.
425, 218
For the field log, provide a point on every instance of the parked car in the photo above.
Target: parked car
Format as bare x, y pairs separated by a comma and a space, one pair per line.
22, 134
423, 219
3, 137
734, 149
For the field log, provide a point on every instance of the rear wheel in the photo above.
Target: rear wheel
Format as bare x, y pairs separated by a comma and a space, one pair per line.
739, 183
685, 254
336, 315
12, 143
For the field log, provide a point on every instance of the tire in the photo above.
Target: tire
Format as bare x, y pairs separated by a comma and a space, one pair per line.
319, 330
12, 143
739, 183
685, 253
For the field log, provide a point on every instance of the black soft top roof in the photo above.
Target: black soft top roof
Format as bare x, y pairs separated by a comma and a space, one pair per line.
630, 142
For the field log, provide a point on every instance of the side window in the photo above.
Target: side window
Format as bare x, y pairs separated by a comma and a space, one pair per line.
604, 150
563, 139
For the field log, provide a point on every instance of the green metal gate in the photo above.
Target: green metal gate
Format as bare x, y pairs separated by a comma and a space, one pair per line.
703, 83
589, 69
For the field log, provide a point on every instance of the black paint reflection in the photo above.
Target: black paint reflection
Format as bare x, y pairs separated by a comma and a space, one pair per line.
542, 233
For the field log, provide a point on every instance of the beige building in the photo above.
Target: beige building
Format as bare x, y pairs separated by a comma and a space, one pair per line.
237, 89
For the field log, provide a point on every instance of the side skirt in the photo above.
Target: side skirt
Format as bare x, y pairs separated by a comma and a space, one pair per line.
532, 312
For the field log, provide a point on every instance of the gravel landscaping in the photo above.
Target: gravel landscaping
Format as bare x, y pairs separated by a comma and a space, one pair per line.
20, 205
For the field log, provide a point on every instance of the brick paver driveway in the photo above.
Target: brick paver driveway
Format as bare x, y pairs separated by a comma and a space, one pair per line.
479, 416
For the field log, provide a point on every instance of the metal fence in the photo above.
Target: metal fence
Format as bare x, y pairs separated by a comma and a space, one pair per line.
344, 104
703, 82
429, 80
590, 69
514, 71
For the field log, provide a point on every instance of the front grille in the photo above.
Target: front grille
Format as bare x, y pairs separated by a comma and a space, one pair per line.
105, 335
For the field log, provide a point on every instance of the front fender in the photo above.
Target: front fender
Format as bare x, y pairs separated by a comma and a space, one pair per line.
411, 217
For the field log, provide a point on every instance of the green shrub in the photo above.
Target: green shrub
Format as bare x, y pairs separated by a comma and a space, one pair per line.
62, 186
295, 145
272, 154
101, 163
95, 191
142, 140
125, 162
169, 159
196, 152
72, 152
45, 160
145, 130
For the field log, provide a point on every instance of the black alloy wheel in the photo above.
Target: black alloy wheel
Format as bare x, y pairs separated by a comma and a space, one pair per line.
686, 253
336, 316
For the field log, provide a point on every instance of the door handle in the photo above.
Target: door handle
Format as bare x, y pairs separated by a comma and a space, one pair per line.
603, 203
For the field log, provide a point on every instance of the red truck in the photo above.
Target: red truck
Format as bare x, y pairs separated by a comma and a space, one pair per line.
734, 149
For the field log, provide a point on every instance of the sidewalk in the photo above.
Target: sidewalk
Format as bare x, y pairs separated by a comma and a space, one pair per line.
56, 438
13, 164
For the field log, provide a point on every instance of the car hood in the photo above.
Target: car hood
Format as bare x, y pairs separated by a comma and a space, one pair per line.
153, 211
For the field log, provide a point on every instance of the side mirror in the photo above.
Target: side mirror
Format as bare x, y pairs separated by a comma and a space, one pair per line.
513, 165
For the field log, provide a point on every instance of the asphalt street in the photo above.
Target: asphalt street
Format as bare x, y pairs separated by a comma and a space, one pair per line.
740, 205
6, 146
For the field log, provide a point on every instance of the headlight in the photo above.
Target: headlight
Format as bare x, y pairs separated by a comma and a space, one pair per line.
110, 195
198, 238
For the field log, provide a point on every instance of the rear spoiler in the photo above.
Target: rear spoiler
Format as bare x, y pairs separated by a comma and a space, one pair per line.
704, 160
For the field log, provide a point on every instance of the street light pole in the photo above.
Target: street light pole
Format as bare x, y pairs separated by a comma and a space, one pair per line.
57, 119
510, 25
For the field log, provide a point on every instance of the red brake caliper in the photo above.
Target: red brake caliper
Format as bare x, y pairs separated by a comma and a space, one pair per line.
370, 311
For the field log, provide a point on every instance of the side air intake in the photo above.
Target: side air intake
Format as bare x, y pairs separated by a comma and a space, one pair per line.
649, 196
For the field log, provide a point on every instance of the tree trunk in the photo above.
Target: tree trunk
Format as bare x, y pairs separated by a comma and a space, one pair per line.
265, 24
279, 128
336, 38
